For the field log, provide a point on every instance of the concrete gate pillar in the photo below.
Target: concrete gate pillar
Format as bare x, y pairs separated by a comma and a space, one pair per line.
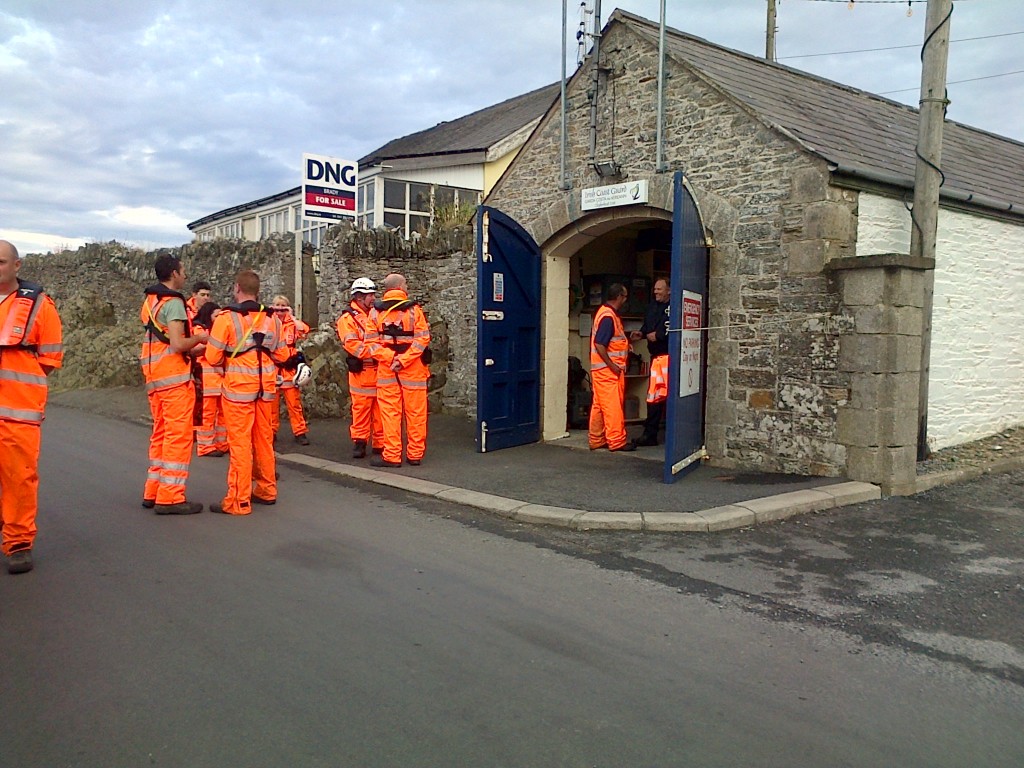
884, 296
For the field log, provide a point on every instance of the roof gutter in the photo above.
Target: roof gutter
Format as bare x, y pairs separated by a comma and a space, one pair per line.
906, 182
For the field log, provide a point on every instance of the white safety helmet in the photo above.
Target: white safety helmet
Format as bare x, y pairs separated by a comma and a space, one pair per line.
362, 285
303, 375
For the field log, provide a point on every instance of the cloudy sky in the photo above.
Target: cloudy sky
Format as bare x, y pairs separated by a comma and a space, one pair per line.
127, 120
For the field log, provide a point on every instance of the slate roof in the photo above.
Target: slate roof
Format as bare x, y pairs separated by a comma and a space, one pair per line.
858, 132
475, 132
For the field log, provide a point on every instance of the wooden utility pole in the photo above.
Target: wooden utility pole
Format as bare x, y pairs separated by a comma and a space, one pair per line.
769, 45
927, 180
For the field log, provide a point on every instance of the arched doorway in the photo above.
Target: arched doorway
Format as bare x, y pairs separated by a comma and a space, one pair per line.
631, 246
563, 281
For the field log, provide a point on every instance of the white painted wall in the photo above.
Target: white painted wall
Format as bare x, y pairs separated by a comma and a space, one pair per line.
976, 388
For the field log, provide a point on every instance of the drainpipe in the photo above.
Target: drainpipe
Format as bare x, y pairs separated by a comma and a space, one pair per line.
563, 179
659, 163
594, 82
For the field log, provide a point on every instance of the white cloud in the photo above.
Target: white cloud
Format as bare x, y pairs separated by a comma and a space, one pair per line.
40, 242
127, 120
144, 217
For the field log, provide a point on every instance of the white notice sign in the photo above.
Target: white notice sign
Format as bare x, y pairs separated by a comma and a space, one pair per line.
689, 342
626, 193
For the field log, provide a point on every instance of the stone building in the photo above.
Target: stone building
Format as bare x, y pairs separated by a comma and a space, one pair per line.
813, 307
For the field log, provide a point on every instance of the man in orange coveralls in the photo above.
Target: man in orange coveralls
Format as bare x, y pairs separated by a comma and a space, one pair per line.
362, 369
609, 348
246, 342
399, 335
293, 331
30, 347
167, 365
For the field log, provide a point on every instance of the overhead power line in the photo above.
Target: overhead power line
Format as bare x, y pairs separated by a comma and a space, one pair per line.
956, 82
894, 47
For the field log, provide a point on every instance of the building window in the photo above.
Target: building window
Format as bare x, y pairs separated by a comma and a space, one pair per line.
394, 194
419, 197
274, 223
413, 206
313, 232
231, 231
395, 220
366, 201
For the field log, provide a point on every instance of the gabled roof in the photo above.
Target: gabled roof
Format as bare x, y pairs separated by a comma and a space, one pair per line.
475, 132
859, 133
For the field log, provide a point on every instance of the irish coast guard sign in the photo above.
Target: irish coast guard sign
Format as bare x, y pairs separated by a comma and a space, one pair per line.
328, 187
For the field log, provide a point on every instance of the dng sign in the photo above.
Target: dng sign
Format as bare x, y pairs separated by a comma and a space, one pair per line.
328, 187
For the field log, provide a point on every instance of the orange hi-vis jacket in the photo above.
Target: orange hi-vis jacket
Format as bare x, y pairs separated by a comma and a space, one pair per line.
293, 331
246, 342
618, 346
191, 309
397, 328
161, 365
353, 328
657, 387
30, 345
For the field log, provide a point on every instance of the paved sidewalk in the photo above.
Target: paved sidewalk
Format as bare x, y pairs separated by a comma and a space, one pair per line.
563, 483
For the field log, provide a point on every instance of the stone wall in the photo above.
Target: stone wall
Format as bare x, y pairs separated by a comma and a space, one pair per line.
441, 273
98, 291
774, 386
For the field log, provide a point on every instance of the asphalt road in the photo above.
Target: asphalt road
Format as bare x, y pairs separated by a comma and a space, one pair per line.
354, 626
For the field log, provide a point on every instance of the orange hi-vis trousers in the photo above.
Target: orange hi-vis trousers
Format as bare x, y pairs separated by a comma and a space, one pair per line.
293, 402
366, 418
607, 421
170, 445
395, 398
212, 435
251, 447
19, 483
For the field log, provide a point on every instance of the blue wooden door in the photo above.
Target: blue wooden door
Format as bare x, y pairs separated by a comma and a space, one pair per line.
684, 443
508, 333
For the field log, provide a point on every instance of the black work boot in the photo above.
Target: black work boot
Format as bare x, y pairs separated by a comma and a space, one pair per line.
19, 561
358, 449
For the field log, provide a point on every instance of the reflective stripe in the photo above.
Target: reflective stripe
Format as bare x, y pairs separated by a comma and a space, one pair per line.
169, 381
49, 349
175, 466
23, 378
368, 391
240, 397
17, 414
251, 370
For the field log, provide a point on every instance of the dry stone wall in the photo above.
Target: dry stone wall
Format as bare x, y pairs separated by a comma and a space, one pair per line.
98, 290
441, 274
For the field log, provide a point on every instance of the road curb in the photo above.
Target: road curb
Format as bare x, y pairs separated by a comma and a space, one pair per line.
951, 476
739, 515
